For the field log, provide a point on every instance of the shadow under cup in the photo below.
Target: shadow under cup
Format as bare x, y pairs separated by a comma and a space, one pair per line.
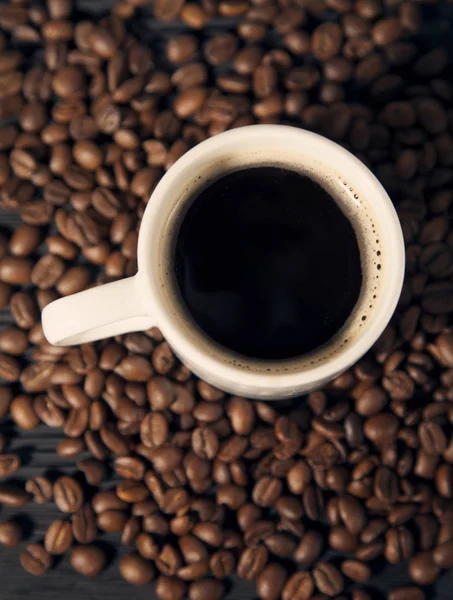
354, 189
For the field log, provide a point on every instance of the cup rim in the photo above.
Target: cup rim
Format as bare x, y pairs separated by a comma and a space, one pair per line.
226, 372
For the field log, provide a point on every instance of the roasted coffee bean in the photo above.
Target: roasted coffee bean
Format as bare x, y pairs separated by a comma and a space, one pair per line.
88, 560
10, 534
356, 570
9, 464
169, 560
442, 555
206, 588
170, 588
58, 538
210, 533
406, 593
309, 548
68, 495
154, 430
40, 488
399, 545
12, 495
342, 540
444, 480
13, 341
93, 469
300, 586
205, 443
252, 562
130, 467
136, 570
267, 491
24, 310
35, 559
281, 544
131, 531
112, 521
132, 491
84, 525
328, 579
423, 570
242, 415
326, 41
69, 448
222, 564
147, 546
271, 581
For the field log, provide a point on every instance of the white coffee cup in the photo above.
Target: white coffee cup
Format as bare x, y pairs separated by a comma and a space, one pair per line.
150, 299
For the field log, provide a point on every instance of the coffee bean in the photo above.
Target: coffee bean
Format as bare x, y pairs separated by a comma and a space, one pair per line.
35, 559
88, 560
170, 588
112, 521
136, 570
242, 415
24, 310
68, 494
69, 448
206, 588
371, 402
356, 570
58, 538
130, 468
267, 491
326, 41
399, 545
444, 480
15, 270
47, 271
194, 571
252, 562
220, 49
9, 464
342, 540
169, 560
328, 579
205, 443
40, 488
281, 544
222, 564
432, 438
309, 548
442, 555
13, 341
300, 586
25, 240
232, 449
406, 593
382, 428
422, 569
154, 430
93, 469
271, 581
84, 525
10, 534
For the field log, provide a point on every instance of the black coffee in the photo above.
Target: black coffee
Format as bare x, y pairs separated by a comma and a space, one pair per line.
267, 264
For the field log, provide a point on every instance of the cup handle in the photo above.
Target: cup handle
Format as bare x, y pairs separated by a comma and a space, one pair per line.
97, 313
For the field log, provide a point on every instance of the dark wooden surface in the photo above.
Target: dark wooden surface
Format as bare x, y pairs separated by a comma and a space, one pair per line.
37, 448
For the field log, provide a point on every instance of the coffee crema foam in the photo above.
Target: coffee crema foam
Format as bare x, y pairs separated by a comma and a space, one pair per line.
372, 256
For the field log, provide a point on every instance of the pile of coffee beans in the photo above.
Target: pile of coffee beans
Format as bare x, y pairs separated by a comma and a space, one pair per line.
203, 487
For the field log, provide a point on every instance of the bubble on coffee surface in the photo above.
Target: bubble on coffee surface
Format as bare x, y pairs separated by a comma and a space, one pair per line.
359, 213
